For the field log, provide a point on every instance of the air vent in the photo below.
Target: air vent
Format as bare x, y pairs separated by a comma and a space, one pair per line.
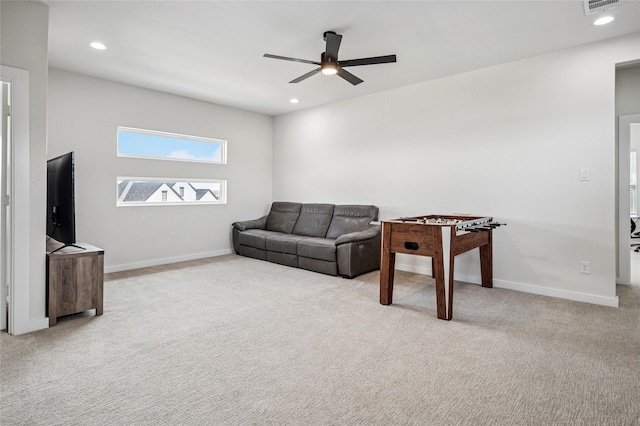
595, 6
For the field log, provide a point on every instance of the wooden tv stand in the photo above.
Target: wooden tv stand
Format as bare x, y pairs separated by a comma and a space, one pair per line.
75, 279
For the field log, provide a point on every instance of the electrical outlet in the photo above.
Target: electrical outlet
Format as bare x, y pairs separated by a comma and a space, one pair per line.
584, 267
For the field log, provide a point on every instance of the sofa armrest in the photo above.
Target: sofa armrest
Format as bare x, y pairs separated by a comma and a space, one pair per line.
367, 234
359, 252
251, 224
238, 227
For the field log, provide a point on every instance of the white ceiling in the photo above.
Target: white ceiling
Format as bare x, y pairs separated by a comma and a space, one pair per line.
212, 50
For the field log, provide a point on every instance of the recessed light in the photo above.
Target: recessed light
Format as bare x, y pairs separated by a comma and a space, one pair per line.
294, 100
604, 20
98, 46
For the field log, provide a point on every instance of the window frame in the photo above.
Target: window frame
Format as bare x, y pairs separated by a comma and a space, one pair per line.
221, 142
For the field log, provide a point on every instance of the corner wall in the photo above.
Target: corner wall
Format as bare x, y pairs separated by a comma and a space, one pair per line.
506, 141
84, 113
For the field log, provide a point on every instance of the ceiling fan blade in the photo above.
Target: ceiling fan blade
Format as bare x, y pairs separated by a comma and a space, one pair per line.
333, 44
284, 58
305, 76
349, 77
368, 61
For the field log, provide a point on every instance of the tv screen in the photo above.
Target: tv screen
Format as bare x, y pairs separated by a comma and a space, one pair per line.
61, 222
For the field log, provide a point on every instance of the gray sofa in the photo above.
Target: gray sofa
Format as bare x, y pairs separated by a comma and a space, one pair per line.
327, 238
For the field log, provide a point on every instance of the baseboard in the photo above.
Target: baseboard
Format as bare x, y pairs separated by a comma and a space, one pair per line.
30, 326
555, 292
525, 288
164, 261
422, 270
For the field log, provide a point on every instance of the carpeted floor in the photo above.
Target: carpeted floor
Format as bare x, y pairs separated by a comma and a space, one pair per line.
236, 341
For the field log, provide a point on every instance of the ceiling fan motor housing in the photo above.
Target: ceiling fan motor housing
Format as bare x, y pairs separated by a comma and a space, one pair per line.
324, 35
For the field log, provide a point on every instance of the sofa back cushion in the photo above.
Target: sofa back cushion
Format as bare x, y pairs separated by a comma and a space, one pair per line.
351, 218
283, 216
314, 220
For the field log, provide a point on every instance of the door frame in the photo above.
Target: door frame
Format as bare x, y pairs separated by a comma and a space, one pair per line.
5, 217
20, 321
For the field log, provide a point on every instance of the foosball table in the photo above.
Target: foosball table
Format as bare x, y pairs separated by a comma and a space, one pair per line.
441, 237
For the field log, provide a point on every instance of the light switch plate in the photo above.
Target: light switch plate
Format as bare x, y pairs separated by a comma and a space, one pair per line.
585, 174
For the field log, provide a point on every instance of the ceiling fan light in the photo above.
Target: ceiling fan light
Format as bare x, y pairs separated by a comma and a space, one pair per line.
329, 68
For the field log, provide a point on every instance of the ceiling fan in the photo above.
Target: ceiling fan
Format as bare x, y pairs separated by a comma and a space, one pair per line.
329, 63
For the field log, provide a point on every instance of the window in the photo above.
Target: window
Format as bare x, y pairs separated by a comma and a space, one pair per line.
633, 185
169, 146
161, 191
150, 144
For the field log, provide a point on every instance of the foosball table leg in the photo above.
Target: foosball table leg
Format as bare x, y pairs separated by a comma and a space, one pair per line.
386, 280
486, 262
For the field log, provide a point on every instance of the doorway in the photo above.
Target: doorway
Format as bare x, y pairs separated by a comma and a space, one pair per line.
628, 140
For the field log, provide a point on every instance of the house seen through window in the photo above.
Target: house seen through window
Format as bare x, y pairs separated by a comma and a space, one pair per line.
156, 191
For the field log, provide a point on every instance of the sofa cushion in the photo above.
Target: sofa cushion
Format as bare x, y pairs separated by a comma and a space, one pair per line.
351, 218
283, 216
255, 238
283, 243
314, 220
317, 248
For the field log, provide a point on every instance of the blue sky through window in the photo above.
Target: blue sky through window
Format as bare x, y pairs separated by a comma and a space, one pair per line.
177, 147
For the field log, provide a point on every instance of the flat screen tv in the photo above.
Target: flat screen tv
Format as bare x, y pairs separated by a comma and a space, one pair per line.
61, 220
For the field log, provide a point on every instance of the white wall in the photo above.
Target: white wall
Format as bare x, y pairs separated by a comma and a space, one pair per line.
24, 40
506, 141
84, 113
628, 90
